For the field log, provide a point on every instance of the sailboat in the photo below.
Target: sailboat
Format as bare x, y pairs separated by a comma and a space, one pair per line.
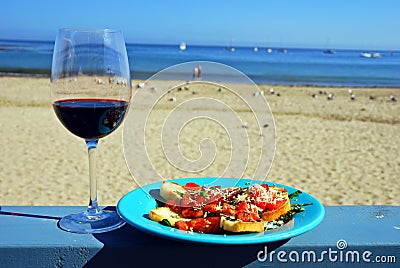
230, 47
329, 51
182, 46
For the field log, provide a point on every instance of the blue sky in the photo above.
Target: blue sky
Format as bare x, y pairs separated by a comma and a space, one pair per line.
291, 23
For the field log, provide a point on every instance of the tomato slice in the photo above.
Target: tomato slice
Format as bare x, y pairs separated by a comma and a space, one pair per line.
278, 203
243, 216
214, 208
174, 206
246, 213
243, 206
192, 186
207, 225
182, 225
265, 186
228, 210
192, 213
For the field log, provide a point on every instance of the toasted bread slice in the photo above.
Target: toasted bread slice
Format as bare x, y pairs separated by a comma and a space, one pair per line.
272, 215
236, 226
172, 191
161, 213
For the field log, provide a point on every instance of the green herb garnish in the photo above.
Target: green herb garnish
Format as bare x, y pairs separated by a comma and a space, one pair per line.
165, 222
179, 193
204, 193
295, 194
295, 208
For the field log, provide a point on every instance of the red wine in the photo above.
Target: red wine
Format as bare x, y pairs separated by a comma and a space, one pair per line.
90, 118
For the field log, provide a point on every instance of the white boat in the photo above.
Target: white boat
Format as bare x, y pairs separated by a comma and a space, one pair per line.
375, 55
366, 55
182, 46
269, 50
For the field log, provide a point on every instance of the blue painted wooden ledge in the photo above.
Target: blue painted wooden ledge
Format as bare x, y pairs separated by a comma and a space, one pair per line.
354, 236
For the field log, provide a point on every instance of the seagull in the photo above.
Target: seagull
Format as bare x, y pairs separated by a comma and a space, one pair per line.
272, 91
172, 99
140, 85
350, 92
353, 97
330, 96
392, 98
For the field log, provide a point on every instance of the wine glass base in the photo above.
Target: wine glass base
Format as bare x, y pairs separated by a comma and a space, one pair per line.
85, 223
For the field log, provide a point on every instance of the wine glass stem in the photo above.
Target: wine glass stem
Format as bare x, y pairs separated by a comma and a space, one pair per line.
93, 207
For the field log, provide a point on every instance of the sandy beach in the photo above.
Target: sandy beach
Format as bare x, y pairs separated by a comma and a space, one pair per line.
342, 151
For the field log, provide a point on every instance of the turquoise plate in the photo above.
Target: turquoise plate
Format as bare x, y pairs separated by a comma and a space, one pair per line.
135, 206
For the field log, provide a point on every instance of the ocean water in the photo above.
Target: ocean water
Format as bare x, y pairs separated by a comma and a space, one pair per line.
295, 66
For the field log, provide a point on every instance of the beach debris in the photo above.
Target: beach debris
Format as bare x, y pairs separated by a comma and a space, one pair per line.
278, 94
371, 97
322, 92
140, 85
185, 88
118, 81
256, 94
179, 89
219, 89
194, 92
392, 98
314, 95
330, 96
271, 91
153, 88
173, 99
265, 125
99, 81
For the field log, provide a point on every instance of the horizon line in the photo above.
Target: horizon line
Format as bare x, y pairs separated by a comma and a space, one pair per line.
226, 46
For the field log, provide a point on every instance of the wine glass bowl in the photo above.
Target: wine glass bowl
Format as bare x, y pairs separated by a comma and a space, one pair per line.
91, 90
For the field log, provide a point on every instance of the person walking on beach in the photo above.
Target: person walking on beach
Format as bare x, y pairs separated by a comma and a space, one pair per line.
197, 73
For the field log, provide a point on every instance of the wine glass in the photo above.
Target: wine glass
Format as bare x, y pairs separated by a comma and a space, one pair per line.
91, 90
